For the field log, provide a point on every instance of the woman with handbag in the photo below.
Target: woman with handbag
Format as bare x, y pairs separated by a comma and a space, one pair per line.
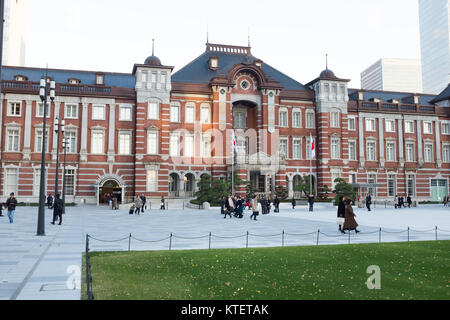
255, 208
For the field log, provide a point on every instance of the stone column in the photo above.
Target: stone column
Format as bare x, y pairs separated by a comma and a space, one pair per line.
419, 143
291, 187
381, 141
438, 144
111, 131
27, 131
361, 142
401, 155
84, 133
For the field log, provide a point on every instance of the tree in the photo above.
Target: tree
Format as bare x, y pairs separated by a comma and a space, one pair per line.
204, 189
304, 185
237, 182
219, 189
282, 192
344, 189
325, 190
250, 189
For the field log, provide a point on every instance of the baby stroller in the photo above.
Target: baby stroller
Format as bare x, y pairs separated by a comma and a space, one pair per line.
132, 209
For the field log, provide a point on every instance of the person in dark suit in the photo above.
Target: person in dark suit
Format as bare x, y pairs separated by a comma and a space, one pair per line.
222, 205
341, 213
294, 203
368, 202
276, 203
49, 201
311, 202
58, 209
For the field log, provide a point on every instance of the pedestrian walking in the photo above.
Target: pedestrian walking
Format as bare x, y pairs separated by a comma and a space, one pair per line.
57, 209
11, 204
115, 203
294, 203
269, 206
1, 209
229, 207
341, 214
263, 205
144, 202
138, 202
368, 202
350, 222
255, 208
222, 205
276, 203
409, 201
311, 202
445, 201
163, 204
49, 201
396, 202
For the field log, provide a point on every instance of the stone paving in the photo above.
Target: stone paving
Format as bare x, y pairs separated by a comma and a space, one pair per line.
49, 267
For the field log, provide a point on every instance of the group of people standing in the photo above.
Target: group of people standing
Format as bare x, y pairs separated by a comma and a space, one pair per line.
399, 202
140, 204
236, 206
112, 201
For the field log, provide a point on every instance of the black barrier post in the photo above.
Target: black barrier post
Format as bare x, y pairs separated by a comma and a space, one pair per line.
282, 239
170, 242
209, 241
379, 236
129, 243
408, 234
247, 241
318, 232
436, 232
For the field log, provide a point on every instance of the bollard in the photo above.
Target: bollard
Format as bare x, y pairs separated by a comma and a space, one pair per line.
209, 241
379, 236
129, 243
247, 241
282, 239
170, 242
408, 234
318, 232
436, 232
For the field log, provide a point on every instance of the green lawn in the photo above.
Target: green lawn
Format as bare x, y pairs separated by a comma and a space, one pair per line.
419, 270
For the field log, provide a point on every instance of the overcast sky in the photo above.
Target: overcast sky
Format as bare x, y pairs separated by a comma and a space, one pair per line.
291, 35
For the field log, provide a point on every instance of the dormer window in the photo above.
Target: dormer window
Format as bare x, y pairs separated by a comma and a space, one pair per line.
214, 63
258, 63
416, 100
20, 78
74, 81
394, 101
360, 95
99, 79
377, 100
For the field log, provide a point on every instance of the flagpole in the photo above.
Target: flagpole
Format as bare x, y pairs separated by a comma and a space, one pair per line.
232, 174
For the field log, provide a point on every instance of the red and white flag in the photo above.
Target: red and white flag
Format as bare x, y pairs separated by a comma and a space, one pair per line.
313, 149
233, 140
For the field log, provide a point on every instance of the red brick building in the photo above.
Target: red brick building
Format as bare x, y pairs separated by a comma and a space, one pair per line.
156, 132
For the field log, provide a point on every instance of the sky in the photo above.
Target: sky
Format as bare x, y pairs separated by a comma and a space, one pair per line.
290, 35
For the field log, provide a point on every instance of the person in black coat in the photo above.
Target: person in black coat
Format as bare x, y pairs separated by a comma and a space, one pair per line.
49, 201
263, 205
341, 212
222, 205
409, 201
144, 202
294, 203
311, 202
11, 204
368, 202
276, 203
58, 209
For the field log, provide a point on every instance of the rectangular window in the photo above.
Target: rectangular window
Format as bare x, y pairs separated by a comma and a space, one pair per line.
13, 140
204, 115
352, 178
40, 110
310, 120
71, 138
163, 78
297, 149
284, 147
352, 150
175, 113
392, 185
14, 109
371, 151
125, 113
409, 126
153, 110
410, 152
154, 76
174, 145
240, 120
428, 127
445, 127
370, 125
152, 143
11, 180
189, 145
390, 125
372, 179
37, 182
39, 139
206, 146
124, 143
97, 143
334, 119
446, 153
390, 151
296, 119
335, 154
70, 182
428, 152
351, 124
283, 121
98, 112
71, 111
411, 185
190, 114
152, 181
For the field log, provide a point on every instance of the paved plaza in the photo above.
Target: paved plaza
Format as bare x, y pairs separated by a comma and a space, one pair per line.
49, 267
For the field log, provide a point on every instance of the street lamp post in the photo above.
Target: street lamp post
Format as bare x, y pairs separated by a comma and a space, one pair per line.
57, 130
44, 89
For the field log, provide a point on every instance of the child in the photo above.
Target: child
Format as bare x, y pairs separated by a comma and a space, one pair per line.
132, 208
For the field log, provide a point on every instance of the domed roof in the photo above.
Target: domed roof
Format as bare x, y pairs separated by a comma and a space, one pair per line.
327, 74
153, 61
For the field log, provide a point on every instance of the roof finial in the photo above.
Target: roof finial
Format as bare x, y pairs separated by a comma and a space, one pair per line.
249, 37
326, 57
153, 46
207, 34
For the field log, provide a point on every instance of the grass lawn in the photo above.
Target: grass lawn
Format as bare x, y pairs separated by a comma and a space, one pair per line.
417, 270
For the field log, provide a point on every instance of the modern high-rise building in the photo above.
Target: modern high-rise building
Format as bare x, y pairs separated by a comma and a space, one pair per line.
435, 44
393, 75
15, 31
